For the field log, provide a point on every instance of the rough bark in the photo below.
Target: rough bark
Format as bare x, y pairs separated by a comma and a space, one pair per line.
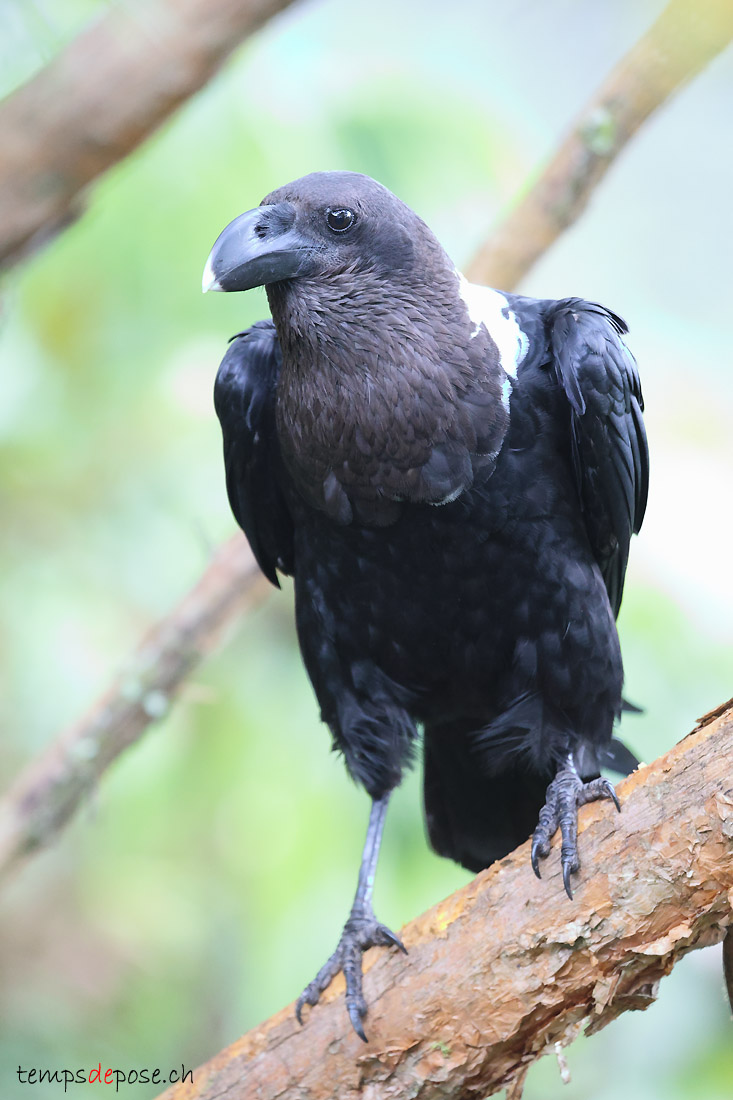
100, 97
47, 794
687, 35
508, 967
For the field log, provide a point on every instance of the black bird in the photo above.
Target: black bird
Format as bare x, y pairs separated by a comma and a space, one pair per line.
451, 476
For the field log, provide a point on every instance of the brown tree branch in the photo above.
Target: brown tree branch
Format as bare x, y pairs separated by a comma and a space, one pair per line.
100, 97
508, 967
687, 35
47, 794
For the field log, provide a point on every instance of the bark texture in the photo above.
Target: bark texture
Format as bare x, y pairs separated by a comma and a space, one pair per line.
685, 38
508, 967
100, 97
50, 790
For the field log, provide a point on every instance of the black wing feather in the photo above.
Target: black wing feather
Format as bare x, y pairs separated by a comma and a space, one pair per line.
244, 398
609, 449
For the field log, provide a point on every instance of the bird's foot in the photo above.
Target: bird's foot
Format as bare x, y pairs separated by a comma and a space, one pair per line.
565, 795
361, 931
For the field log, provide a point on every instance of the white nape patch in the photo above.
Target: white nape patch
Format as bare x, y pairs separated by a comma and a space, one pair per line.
209, 281
506, 392
490, 308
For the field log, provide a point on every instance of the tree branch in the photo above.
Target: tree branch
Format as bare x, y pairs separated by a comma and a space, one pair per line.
100, 97
47, 794
728, 964
687, 35
508, 967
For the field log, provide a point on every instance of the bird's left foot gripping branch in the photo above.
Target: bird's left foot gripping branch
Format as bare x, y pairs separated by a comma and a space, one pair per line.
451, 476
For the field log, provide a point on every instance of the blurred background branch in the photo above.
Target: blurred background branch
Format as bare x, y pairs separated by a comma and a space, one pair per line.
683, 40
728, 964
50, 790
96, 101
687, 35
534, 970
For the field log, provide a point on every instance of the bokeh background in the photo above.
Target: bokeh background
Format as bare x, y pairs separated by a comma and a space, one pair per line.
209, 877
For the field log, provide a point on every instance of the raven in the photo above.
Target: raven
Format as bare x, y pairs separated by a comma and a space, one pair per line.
451, 476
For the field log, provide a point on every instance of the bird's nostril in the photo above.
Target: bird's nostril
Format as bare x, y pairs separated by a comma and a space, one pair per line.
260, 230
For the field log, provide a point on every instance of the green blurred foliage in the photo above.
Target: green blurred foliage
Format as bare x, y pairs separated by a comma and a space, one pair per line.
209, 878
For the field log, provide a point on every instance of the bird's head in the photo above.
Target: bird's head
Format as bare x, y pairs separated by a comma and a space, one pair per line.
323, 224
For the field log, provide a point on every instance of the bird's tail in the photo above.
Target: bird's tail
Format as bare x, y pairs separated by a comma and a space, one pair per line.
476, 818
472, 817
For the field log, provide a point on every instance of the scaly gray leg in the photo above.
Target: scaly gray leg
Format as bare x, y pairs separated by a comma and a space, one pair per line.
564, 795
361, 931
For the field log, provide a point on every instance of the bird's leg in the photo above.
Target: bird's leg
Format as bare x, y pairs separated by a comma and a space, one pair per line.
361, 931
564, 796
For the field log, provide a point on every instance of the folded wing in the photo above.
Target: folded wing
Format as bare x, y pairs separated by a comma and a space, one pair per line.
244, 398
609, 449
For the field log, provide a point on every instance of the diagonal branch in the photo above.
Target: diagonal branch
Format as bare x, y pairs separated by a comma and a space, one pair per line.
48, 793
685, 38
508, 967
100, 98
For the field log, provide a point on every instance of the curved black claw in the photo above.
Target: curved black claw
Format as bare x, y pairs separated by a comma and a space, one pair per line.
564, 795
361, 932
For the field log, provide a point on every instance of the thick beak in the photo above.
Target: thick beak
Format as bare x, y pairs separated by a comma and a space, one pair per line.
259, 247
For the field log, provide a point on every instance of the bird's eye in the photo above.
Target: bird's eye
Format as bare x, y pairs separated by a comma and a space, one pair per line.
340, 220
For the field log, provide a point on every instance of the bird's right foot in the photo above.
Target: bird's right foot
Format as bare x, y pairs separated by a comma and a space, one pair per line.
361, 931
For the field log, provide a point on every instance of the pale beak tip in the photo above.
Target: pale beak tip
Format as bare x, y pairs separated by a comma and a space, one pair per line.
209, 280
